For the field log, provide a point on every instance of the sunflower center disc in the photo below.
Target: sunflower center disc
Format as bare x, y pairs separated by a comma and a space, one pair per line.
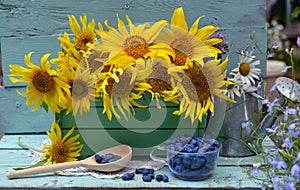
43, 82
136, 46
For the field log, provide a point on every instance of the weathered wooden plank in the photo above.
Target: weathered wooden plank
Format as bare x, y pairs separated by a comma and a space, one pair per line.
223, 177
9, 147
40, 18
11, 141
16, 117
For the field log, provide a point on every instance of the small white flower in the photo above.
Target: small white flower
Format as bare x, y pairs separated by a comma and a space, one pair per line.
246, 70
256, 165
234, 89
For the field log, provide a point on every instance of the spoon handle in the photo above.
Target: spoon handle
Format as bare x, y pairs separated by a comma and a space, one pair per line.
43, 169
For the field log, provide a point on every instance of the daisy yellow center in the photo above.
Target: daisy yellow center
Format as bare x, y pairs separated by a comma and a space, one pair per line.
182, 49
59, 152
200, 84
82, 40
43, 81
230, 86
136, 46
244, 69
79, 89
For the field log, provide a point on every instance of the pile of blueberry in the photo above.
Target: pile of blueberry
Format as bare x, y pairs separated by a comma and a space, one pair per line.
147, 175
192, 158
106, 158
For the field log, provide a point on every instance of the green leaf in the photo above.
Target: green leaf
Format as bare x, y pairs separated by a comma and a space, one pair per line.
296, 12
45, 106
40, 163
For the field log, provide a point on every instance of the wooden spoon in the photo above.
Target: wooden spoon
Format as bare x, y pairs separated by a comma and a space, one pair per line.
124, 151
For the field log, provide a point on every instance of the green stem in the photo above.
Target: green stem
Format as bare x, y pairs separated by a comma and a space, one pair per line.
28, 147
293, 64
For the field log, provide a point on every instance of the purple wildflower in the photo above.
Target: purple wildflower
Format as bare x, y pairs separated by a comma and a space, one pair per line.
284, 70
246, 124
292, 126
289, 184
265, 101
270, 54
278, 164
273, 87
295, 171
275, 182
272, 130
298, 156
254, 172
271, 105
288, 143
289, 111
298, 41
275, 46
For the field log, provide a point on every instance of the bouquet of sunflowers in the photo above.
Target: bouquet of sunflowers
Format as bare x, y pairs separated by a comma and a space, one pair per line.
168, 60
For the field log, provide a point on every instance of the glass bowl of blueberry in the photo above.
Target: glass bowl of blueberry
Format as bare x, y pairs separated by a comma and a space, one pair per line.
191, 157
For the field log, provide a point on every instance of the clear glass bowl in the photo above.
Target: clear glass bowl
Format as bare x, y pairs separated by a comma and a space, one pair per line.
195, 165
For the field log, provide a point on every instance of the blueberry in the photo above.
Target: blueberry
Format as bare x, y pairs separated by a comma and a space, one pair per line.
194, 142
215, 144
108, 156
188, 148
198, 162
115, 158
144, 171
165, 178
103, 161
178, 168
186, 161
98, 158
128, 176
159, 177
147, 178
138, 170
151, 175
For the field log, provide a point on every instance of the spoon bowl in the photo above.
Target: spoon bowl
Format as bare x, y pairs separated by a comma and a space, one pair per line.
124, 151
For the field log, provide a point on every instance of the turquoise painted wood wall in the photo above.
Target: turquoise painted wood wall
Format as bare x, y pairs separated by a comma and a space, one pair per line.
34, 26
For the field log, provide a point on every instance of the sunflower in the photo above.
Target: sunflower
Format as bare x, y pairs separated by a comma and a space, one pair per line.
246, 71
197, 86
95, 60
69, 57
83, 91
118, 88
44, 85
189, 44
128, 47
62, 148
85, 36
159, 84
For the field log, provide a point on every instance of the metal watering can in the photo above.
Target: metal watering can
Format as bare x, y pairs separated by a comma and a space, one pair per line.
287, 88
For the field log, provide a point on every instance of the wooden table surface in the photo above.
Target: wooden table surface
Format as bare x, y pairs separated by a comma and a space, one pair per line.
226, 176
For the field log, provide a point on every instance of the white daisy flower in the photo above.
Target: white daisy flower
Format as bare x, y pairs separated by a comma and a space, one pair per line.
246, 70
234, 89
